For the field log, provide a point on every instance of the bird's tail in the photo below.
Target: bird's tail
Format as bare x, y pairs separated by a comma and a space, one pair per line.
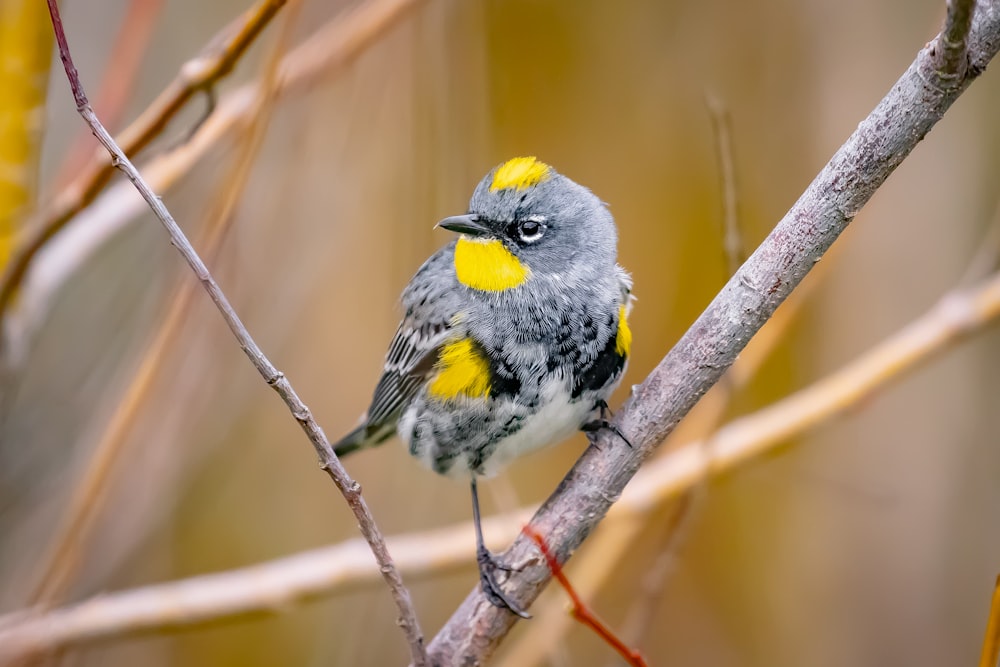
362, 437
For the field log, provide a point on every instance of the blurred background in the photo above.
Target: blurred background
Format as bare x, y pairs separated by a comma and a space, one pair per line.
872, 540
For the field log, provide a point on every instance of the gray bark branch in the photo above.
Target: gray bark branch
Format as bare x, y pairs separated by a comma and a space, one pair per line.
900, 121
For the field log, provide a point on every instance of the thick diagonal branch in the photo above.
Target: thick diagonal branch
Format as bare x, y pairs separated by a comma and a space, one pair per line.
900, 121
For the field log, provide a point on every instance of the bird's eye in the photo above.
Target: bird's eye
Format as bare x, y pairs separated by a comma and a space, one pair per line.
530, 230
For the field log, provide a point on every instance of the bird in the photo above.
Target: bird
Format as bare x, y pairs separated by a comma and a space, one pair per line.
513, 337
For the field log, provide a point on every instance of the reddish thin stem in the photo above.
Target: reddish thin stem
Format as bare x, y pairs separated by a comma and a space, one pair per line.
581, 611
67, 60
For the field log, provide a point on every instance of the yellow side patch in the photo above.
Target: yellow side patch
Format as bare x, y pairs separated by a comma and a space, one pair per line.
462, 371
487, 265
623, 339
519, 173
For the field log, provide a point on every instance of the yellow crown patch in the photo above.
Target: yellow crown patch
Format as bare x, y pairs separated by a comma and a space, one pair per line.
519, 173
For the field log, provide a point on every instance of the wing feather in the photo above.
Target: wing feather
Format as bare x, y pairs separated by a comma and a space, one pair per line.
408, 364
431, 301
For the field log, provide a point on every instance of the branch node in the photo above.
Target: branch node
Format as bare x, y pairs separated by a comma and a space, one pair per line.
747, 282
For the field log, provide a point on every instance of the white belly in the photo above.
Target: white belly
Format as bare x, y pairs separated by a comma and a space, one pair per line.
555, 421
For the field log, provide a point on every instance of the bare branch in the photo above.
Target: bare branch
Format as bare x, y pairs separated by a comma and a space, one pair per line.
350, 489
908, 112
263, 588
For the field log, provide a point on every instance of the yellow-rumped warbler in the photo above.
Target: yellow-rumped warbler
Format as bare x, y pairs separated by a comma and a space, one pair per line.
514, 335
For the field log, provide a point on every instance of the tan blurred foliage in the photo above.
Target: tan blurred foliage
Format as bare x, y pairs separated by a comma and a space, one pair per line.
873, 543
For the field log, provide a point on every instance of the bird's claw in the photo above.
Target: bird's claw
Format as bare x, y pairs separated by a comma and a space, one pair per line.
602, 422
488, 565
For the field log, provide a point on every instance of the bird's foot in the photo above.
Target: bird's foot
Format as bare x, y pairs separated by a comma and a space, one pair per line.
602, 422
488, 566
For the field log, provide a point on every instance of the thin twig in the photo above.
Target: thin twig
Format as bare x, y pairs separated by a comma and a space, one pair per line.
732, 238
62, 560
216, 61
639, 622
991, 642
880, 143
579, 610
350, 489
273, 585
542, 641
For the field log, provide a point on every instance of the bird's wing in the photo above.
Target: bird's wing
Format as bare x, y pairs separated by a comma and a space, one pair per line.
408, 364
432, 302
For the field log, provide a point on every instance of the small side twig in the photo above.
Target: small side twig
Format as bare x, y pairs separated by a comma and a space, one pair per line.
580, 611
639, 621
951, 55
350, 489
732, 238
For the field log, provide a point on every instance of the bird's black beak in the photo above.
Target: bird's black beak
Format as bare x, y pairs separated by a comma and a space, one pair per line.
465, 224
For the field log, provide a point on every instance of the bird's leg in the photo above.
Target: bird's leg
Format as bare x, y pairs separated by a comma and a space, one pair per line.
489, 564
602, 421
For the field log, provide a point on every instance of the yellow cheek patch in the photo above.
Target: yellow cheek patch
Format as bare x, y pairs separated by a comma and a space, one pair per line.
623, 339
519, 173
487, 265
462, 371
